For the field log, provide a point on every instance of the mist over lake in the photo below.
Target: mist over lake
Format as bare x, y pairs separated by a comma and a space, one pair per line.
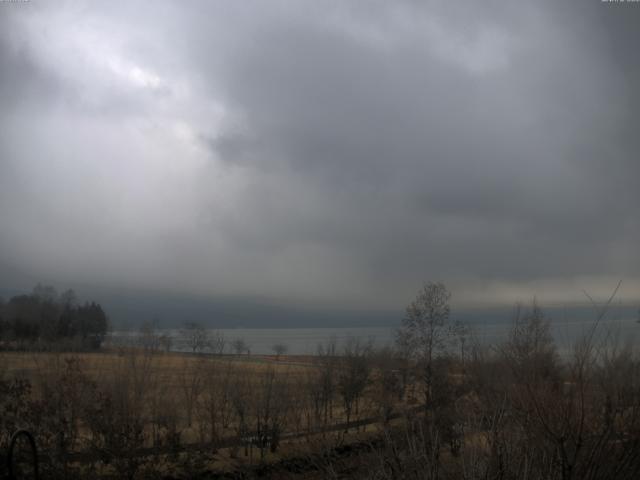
619, 326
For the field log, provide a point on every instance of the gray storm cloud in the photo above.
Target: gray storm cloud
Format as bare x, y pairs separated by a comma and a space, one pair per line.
321, 151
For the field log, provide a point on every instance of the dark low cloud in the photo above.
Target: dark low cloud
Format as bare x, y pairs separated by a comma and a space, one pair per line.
331, 154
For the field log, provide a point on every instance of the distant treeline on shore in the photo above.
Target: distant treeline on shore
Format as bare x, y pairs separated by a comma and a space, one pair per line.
46, 317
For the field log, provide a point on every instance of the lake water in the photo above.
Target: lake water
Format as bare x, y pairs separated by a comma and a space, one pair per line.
304, 341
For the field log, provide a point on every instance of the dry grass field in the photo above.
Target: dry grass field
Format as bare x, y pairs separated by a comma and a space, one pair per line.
168, 366
232, 410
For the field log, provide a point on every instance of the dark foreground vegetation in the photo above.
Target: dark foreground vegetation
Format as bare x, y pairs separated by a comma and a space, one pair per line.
436, 406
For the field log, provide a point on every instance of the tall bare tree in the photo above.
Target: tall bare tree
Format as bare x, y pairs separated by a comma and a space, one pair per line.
425, 331
353, 375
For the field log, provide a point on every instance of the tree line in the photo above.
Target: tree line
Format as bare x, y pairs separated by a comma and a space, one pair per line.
44, 317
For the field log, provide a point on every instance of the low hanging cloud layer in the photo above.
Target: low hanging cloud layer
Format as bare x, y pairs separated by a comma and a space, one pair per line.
330, 153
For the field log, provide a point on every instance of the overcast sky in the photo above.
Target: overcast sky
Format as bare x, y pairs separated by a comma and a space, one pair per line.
328, 153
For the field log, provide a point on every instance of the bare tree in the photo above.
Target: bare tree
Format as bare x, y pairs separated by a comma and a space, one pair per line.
270, 407
353, 376
279, 349
195, 337
462, 334
240, 403
327, 361
239, 346
116, 418
387, 381
214, 407
530, 348
148, 337
217, 342
425, 331
191, 380
568, 421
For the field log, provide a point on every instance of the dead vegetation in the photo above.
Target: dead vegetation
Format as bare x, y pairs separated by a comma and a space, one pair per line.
435, 407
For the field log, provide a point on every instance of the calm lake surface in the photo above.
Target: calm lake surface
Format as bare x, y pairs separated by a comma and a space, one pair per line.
304, 341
